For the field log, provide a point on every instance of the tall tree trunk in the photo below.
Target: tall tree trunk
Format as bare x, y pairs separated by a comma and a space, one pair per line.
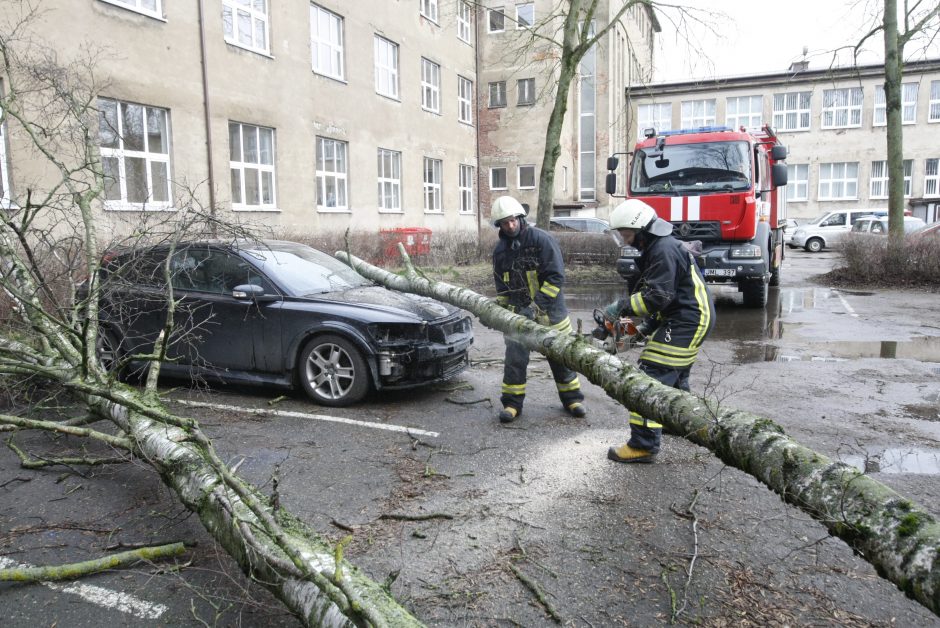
895, 133
896, 535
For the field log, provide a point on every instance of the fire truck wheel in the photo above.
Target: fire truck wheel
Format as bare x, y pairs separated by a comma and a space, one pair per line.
755, 294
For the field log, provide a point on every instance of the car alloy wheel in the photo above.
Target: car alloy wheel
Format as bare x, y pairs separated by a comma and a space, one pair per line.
815, 245
107, 348
332, 371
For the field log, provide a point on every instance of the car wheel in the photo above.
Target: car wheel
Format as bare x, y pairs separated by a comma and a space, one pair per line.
814, 245
333, 372
108, 350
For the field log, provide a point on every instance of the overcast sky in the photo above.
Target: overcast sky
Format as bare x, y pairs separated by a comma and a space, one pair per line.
758, 36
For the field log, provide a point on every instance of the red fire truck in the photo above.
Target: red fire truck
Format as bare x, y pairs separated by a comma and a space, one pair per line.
718, 186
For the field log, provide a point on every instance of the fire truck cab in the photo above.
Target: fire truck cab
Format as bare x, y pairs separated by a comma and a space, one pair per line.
721, 187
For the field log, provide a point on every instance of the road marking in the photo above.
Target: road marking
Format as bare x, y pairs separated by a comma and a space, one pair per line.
312, 417
100, 596
845, 303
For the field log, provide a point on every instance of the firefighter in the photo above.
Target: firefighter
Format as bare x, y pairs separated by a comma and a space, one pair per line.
671, 292
529, 275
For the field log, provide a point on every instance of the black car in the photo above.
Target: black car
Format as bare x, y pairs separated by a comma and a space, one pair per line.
276, 313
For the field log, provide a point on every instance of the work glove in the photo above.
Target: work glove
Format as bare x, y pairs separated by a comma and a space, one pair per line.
646, 328
527, 311
542, 318
613, 310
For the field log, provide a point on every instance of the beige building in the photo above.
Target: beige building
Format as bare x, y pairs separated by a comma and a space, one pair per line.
832, 121
327, 115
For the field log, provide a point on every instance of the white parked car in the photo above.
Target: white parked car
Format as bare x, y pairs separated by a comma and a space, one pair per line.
828, 229
879, 224
789, 226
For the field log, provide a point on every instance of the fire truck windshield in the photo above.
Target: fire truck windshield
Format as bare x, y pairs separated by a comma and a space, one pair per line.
686, 169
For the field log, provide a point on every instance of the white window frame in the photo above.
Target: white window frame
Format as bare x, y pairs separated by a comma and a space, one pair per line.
261, 168
655, 115
433, 180
333, 170
746, 111
696, 113
879, 116
933, 110
489, 21
258, 18
797, 182
792, 107
525, 90
464, 100
464, 22
842, 175
932, 177
430, 86
523, 21
386, 67
388, 177
519, 175
878, 177
138, 6
429, 9
327, 47
5, 200
465, 179
151, 159
842, 108
500, 94
493, 172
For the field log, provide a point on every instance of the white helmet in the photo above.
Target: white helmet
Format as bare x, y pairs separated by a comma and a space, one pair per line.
635, 214
504, 207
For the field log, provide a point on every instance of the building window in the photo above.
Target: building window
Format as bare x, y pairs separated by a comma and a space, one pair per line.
934, 114
465, 188
135, 155
797, 182
429, 9
746, 111
498, 178
464, 22
245, 24
908, 105
698, 113
791, 111
498, 94
332, 173
389, 180
525, 15
842, 108
658, 116
496, 21
326, 43
932, 177
879, 179
4, 173
433, 175
464, 100
251, 160
526, 177
526, 89
838, 181
587, 124
430, 86
386, 67
153, 8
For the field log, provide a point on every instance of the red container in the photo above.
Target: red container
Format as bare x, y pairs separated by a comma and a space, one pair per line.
417, 240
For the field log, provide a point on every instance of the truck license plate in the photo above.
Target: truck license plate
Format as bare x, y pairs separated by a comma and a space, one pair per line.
720, 272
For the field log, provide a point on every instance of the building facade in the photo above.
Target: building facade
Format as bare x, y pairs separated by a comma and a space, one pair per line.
328, 115
832, 121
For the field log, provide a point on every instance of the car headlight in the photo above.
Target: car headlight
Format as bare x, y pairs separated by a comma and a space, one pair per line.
398, 332
748, 250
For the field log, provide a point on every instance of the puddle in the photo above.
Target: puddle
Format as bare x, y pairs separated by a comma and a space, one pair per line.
920, 348
919, 461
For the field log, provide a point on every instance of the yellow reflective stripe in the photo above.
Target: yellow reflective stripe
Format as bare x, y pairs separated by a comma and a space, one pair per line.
533, 278
550, 290
701, 296
506, 276
563, 325
514, 389
665, 360
574, 384
636, 419
637, 304
672, 349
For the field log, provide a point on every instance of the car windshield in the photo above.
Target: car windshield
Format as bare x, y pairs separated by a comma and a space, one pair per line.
818, 219
692, 168
302, 270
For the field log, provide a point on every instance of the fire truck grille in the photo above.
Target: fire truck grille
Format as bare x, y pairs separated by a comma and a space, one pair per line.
704, 231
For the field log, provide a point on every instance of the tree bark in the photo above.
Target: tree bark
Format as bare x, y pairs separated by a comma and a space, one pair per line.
896, 535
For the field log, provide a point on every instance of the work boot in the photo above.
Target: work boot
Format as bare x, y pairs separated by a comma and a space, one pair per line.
509, 414
576, 409
626, 453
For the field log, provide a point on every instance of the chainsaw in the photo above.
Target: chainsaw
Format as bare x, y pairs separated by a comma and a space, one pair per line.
613, 334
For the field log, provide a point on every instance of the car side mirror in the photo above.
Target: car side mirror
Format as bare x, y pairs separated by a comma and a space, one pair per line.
252, 292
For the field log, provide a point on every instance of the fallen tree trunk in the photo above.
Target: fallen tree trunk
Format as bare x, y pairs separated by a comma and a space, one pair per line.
896, 535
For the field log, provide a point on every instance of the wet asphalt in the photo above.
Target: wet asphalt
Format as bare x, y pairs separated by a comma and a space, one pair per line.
852, 374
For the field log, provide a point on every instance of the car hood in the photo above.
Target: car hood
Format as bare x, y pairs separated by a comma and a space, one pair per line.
423, 308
